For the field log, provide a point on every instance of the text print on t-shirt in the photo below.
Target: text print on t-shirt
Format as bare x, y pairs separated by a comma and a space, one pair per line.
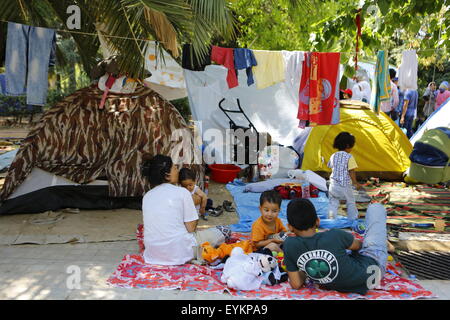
319, 265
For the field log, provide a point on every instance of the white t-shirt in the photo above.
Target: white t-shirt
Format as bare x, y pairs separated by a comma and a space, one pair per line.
166, 208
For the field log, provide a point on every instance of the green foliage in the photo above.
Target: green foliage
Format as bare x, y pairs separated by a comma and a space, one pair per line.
329, 26
182, 105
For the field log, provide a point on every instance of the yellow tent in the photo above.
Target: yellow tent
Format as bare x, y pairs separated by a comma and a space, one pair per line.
381, 150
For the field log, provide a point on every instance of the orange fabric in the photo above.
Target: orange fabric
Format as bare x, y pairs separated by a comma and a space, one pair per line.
210, 254
260, 231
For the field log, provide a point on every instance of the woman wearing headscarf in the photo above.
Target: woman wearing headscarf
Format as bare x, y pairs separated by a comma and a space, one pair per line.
430, 99
443, 94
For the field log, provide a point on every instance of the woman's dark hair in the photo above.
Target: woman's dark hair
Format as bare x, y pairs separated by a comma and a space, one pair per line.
156, 169
270, 196
185, 174
301, 214
343, 141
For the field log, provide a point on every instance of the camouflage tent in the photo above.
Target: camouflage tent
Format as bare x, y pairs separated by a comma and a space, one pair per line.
79, 145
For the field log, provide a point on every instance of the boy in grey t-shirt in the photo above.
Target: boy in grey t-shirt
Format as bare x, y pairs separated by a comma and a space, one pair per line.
323, 257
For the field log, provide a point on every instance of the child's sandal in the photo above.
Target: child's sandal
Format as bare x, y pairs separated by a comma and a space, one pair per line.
216, 212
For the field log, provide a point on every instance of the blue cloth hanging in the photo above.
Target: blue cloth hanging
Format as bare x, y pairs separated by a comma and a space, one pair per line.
245, 59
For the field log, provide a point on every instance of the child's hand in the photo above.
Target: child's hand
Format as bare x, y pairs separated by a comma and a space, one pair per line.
277, 241
359, 187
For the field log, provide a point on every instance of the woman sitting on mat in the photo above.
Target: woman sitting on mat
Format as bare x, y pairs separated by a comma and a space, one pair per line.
170, 218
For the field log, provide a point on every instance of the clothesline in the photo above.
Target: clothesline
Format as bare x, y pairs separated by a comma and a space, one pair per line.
143, 40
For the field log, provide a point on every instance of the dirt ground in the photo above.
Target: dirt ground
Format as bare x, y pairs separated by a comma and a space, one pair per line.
85, 225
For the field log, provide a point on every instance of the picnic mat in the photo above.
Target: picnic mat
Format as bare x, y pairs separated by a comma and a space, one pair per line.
247, 208
412, 208
133, 272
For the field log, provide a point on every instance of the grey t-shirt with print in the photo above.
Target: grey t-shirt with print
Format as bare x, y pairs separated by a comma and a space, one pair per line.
324, 259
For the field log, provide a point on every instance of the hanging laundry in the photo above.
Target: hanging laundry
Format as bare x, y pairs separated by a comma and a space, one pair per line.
245, 59
270, 68
164, 69
28, 54
225, 57
319, 92
191, 62
2, 84
382, 87
407, 72
294, 62
303, 107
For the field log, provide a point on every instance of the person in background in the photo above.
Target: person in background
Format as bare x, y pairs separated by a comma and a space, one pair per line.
391, 105
443, 94
409, 111
430, 99
348, 94
401, 96
361, 90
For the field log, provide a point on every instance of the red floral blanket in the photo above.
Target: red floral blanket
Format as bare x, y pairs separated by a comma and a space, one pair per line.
133, 272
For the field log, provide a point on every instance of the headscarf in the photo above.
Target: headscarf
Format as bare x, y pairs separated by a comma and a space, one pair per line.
443, 86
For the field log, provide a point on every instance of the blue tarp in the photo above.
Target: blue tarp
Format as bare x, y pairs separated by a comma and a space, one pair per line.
247, 207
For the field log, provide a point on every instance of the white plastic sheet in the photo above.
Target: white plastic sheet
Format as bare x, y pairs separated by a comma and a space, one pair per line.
272, 110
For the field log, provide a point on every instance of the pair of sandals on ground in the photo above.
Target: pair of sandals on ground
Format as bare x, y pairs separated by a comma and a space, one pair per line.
215, 212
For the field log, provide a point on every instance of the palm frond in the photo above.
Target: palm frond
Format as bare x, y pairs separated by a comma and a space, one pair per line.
164, 30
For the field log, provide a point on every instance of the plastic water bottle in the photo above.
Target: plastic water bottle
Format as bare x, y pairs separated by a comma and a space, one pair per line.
305, 190
206, 184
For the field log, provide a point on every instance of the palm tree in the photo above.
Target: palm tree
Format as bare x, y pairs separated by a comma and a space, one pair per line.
127, 24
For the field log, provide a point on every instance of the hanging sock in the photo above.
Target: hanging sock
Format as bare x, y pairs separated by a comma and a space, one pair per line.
245, 59
270, 68
382, 87
225, 57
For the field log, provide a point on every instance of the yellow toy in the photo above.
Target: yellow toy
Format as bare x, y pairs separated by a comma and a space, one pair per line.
210, 254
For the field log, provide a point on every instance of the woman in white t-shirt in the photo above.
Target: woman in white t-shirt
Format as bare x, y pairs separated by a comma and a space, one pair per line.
170, 218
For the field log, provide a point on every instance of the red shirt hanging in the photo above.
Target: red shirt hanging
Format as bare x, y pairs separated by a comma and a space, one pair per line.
225, 57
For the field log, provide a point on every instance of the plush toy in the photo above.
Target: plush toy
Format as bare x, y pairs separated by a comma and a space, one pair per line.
210, 254
280, 258
241, 272
269, 268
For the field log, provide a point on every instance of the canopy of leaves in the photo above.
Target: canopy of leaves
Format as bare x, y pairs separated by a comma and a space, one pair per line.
127, 24
330, 26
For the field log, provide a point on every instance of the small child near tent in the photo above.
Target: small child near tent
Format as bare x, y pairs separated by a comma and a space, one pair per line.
187, 180
343, 175
268, 230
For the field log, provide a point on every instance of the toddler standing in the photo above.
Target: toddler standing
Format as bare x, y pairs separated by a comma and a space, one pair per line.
343, 175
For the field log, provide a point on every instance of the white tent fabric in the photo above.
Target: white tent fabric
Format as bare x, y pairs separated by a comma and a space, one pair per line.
272, 110
439, 118
39, 179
